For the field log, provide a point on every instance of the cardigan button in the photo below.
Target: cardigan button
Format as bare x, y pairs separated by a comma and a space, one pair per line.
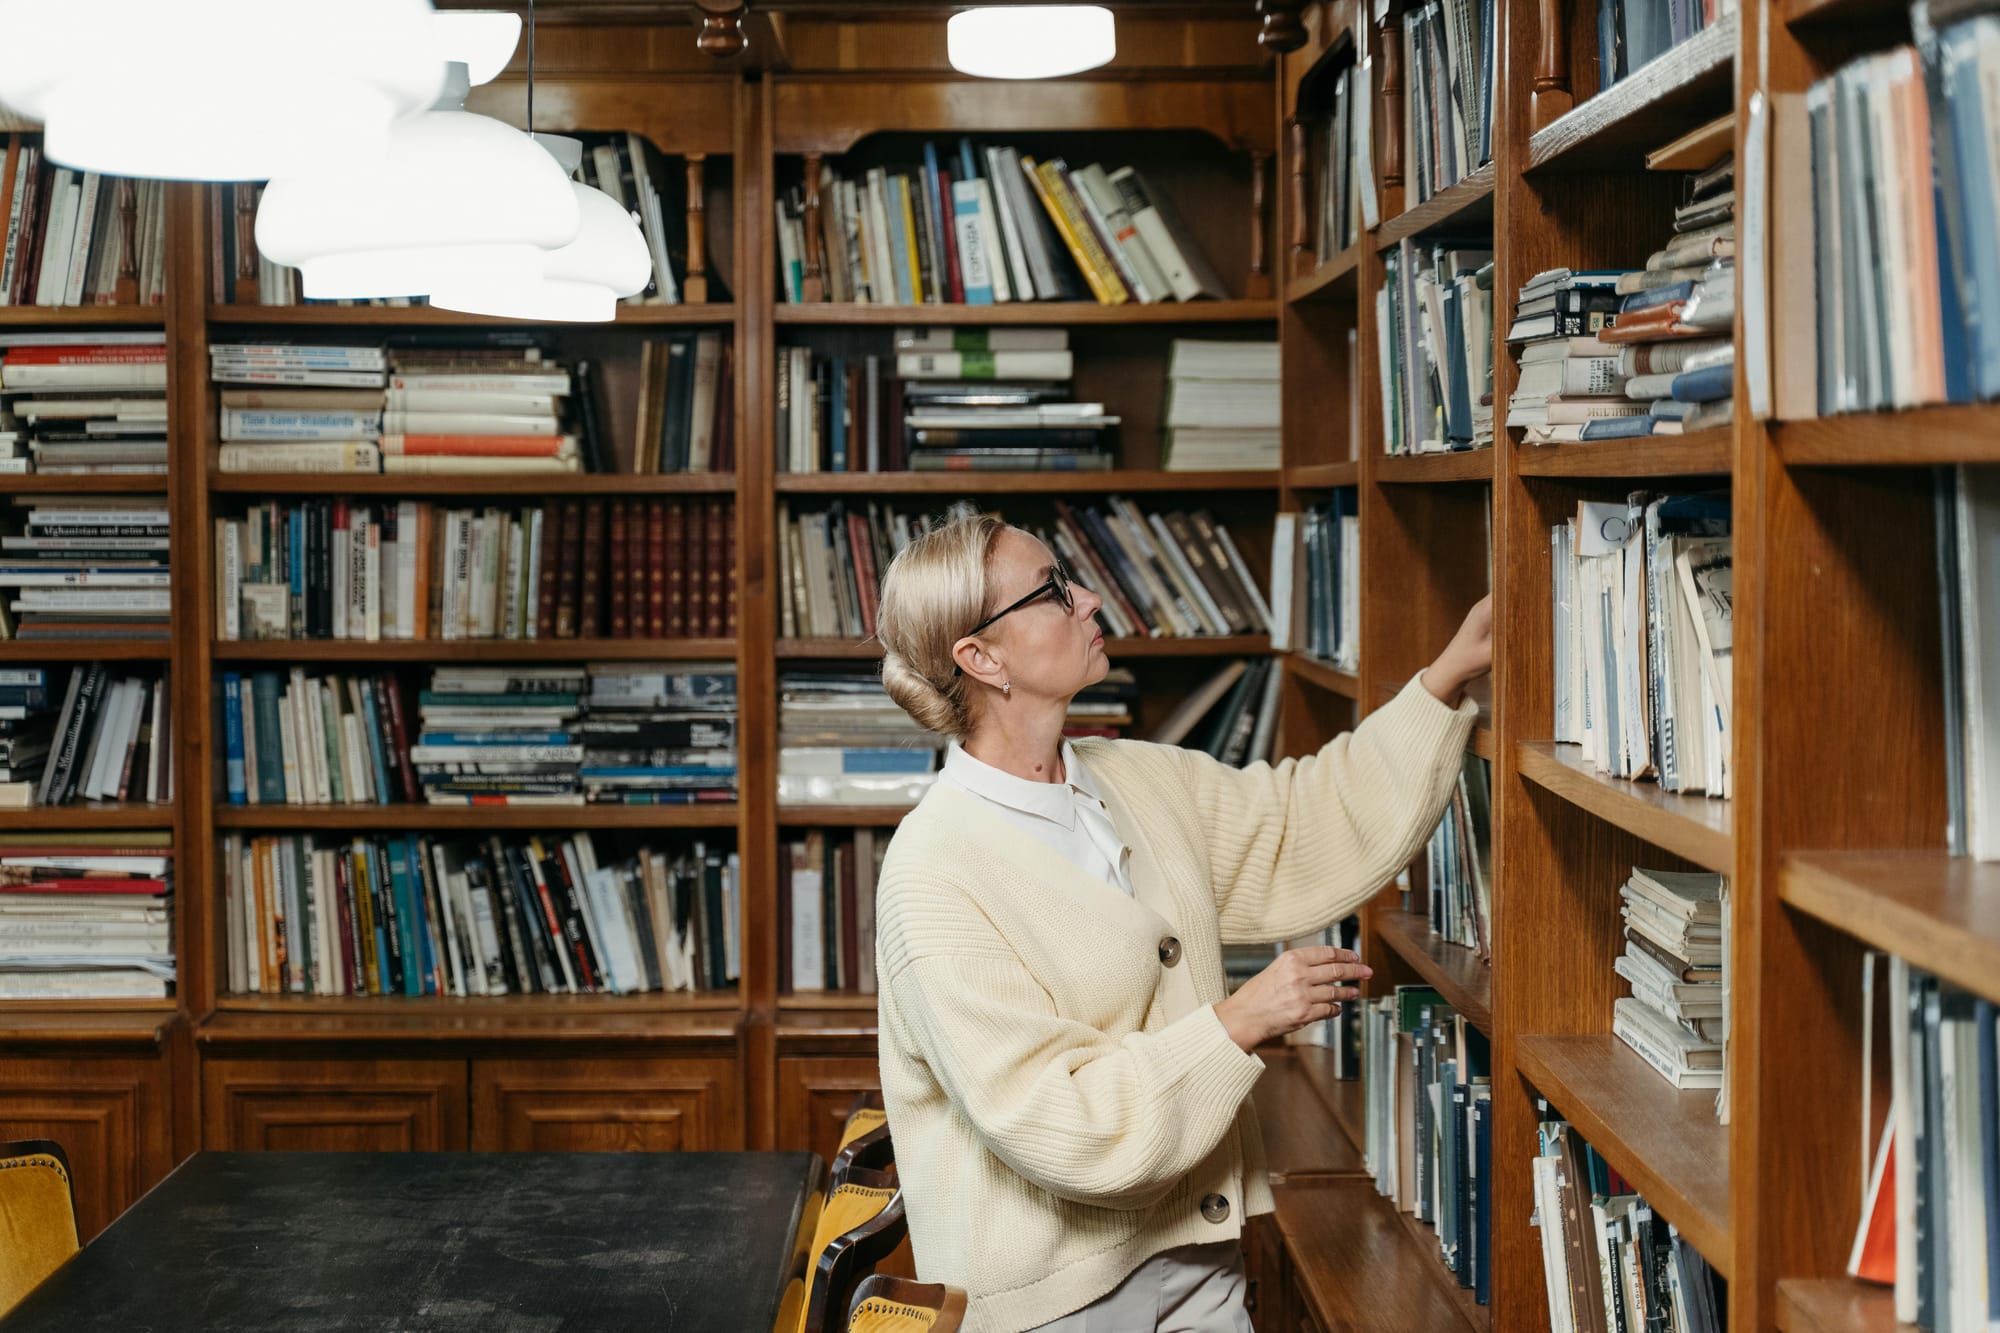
1170, 951
1215, 1208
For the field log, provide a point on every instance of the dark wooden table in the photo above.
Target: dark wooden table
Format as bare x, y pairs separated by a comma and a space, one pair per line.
494, 1242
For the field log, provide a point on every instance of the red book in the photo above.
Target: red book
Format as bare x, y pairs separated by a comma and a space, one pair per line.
36, 178
712, 571
92, 355
655, 565
399, 735
637, 602
863, 546
343, 898
954, 282
621, 573
474, 446
14, 851
1873, 1258
674, 565
545, 578
723, 457
87, 884
729, 581
570, 578
590, 609
850, 950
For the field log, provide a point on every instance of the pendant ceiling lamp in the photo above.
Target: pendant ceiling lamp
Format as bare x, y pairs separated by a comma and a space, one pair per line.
455, 196
215, 89
1030, 41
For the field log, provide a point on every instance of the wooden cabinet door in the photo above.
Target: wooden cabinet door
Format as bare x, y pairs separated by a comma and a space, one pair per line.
815, 1094
112, 1116
313, 1105
607, 1105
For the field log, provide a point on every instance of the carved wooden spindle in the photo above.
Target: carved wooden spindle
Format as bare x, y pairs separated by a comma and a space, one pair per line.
1282, 29
127, 292
245, 287
1259, 284
1301, 212
1549, 92
721, 33
812, 286
695, 289
1391, 119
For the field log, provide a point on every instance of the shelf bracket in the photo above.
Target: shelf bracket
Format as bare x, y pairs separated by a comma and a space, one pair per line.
721, 34
1282, 31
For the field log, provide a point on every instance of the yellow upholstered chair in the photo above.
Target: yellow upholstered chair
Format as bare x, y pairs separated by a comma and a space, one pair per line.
864, 1140
37, 1217
885, 1304
861, 1222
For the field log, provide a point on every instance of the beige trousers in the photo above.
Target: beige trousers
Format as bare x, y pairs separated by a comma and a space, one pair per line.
1193, 1289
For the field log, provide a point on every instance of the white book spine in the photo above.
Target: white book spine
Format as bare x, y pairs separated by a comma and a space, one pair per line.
86, 229
52, 282
371, 583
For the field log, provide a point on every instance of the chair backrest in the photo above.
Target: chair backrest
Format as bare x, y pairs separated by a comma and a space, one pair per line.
885, 1304
864, 1141
37, 1217
792, 1306
862, 1222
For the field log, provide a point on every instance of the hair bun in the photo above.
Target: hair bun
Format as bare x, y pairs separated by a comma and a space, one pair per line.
923, 701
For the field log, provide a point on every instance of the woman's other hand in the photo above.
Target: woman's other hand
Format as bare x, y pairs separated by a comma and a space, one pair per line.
1466, 658
1303, 986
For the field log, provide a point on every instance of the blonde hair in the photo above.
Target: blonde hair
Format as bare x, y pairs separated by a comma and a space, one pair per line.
934, 592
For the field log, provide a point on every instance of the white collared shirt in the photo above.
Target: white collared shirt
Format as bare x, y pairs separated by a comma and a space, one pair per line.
1068, 817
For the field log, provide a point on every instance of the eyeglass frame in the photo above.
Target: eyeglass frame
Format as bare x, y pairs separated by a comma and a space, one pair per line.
1060, 582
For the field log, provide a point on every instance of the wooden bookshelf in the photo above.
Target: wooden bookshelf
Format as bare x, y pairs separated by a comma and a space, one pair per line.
1687, 87
1921, 437
1357, 1265
1331, 280
1453, 971
1835, 1305
1466, 204
1322, 476
85, 650
1324, 675
841, 816
51, 483
318, 651
1410, 469
1026, 313
1705, 453
1691, 826
1942, 913
92, 817
68, 317
1108, 482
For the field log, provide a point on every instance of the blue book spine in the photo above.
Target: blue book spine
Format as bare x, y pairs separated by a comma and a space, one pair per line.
372, 724
968, 160
940, 214
494, 738
270, 742
406, 916
295, 534
1679, 291
1618, 428
1968, 135
1482, 1151
1989, 1134
232, 738
837, 432
427, 929
671, 771
883, 761
1704, 386
965, 203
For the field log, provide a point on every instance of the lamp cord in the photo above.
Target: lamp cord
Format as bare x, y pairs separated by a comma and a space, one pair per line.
531, 67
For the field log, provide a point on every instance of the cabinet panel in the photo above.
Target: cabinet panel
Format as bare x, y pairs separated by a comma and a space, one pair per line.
334, 1105
612, 1105
815, 1094
112, 1116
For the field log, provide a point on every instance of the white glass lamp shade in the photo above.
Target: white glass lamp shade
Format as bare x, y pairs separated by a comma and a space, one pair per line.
1030, 41
455, 195
579, 283
215, 89
483, 40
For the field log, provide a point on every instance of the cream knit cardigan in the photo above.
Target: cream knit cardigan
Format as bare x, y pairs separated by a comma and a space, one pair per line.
1062, 1095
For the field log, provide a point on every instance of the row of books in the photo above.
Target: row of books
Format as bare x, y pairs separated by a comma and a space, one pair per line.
1930, 1209
1435, 352
1676, 964
83, 403
1968, 563
411, 569
85, 733
1232, 716
1450, 59
1346, 195
985, 226
1631, 34
1316, 580
828, 887
1609, 1264
86, 567
516, 735
1428, 1123
86, 916
1642, 619
1458, 862
76, 237
417, 915
842, 741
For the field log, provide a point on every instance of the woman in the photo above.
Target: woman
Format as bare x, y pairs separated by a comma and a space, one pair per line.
1067, 1082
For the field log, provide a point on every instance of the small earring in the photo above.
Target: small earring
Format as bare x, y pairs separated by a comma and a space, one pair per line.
1007, 688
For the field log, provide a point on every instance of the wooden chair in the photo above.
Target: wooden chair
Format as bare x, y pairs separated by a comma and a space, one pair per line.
37, 1217
885, 1304
864, 1140
861, 1223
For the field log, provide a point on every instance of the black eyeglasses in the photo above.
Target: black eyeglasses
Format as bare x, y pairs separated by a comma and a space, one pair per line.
1057, 584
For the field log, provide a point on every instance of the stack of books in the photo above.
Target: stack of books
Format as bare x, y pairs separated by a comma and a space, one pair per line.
67, 231
87, 567
1222, 406
1642, 619
1676, 946
1105, 709
1428, 1123
1571, 378
829, 888
310, 739
309, 407
842, 741
86, 916
417, 915
687, 407
1459, 860
1609, 1264
981, 227
1435, 350
501, 736
1968, 562
100, 735
83, 403
659, 735
1450, 58
1232, 716
411, 569
1316, 581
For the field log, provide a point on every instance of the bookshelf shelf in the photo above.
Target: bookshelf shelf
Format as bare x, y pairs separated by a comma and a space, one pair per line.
1028, 312
1328, 282
1232, 645
252, 1019
527, 485
85, 650
1666, 1142
42, 1023
828, 1000
1466, 205
1923, 436
1359, 1266
819, 1027
472, 650
49, 483
92, 817
485, 818
1691, 826
1319, 672
1813, 16
71, 316
1456, 973
363, 316
1688, 86
1295, 1123
842, 816
1703, 454
1021, 483
1940, 912
1323, 476
1409, 469
1345, 1098
1835, 1305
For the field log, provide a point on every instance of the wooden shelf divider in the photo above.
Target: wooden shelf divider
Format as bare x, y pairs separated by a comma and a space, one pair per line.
1921, 437
1942, 913
1691, 826
91, 817
1704, 453
1323, 476
1687, 87
85, 650
1330, 281
1465, 205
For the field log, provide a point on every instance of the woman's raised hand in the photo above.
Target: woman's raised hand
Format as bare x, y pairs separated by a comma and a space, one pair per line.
1303, 986
1467, 657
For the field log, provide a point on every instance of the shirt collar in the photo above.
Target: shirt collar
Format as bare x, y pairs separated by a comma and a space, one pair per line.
1052, 801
